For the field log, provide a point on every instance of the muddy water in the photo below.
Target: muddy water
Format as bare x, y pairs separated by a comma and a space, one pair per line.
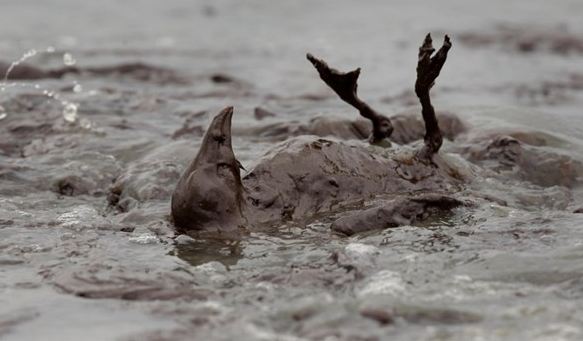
72, 266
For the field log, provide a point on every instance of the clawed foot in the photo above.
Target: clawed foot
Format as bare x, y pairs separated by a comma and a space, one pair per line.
345, 85
428, 67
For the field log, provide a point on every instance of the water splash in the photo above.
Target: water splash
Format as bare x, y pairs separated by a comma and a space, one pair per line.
27, 55
70, 109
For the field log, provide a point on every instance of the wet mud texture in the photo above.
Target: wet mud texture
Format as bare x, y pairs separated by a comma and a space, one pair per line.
85, 238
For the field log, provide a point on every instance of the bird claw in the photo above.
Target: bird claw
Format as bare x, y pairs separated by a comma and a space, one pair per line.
428, 66
345, 85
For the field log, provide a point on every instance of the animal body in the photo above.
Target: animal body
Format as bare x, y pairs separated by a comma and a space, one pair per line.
307, 175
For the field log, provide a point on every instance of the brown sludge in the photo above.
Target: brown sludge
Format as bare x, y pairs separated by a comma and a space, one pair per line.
306, 176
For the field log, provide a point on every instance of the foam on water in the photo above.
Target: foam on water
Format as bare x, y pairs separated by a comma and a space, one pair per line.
384, 282
144, 239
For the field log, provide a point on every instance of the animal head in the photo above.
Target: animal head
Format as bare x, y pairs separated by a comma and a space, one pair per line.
209, 193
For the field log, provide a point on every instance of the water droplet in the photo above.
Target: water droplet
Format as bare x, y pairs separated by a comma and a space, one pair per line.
68, 59
50, 49
85, 123
37, 86
30, 53
70, 112
3, 113
77, 88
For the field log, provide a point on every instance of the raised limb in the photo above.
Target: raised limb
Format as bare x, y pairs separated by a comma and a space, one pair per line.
345, 85
428, 69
